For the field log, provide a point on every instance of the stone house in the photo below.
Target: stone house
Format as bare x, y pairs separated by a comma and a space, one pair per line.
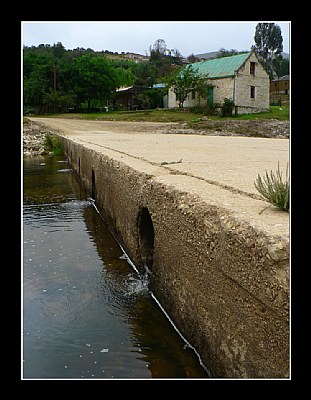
240, 78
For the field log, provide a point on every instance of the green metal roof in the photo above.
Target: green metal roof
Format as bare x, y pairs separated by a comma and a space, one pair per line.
220, 67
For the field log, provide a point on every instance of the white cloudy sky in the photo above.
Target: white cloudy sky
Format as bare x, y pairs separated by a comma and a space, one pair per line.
137, 36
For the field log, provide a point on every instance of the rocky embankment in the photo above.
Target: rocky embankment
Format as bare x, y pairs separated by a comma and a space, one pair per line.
269, 128
34, 139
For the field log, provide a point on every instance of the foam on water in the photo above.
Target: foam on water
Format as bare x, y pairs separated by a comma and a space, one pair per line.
137, 285
64, 170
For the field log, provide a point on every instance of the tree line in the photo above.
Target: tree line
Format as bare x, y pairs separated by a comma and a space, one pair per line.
57, 80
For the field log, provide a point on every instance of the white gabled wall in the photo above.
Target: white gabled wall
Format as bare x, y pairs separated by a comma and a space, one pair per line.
223, 88
244, 81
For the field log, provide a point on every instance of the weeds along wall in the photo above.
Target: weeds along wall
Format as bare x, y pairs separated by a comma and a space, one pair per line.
222, 289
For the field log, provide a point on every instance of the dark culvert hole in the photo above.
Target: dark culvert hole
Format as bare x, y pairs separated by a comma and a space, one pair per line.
93, 186
146, 237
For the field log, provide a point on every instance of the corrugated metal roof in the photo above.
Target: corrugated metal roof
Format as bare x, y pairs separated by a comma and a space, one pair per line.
282, 78
159, 86
220, 67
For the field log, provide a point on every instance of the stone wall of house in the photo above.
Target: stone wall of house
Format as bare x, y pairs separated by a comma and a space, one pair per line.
223, 88
189, 102
172, 103
244, 81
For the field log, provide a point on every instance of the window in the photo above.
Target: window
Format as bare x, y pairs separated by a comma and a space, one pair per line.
252, 68
252, 92
192, 94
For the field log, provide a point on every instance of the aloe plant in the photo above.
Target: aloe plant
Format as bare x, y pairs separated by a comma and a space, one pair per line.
273, 189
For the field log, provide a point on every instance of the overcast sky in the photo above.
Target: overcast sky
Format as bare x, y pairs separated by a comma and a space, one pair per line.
137, 36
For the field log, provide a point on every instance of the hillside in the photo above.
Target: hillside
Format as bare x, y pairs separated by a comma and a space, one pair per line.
212, 54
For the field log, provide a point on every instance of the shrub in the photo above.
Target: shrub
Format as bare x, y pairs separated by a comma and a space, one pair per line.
53, 143
227, 108
204, 109
273, 189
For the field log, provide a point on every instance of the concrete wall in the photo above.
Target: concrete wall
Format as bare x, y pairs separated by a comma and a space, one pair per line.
224, 284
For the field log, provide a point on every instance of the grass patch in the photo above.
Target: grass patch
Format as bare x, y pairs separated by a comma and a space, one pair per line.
26, 121
273, 189
157, 115
276, 112
52, 143
171, 115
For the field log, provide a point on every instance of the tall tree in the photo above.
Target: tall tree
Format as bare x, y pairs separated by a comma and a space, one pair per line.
95, 78
164, 59
145, 74
281, 67
158, 50
268, 45
37, 80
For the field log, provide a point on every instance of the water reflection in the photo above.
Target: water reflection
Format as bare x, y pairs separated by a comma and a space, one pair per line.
87, 313
155, 340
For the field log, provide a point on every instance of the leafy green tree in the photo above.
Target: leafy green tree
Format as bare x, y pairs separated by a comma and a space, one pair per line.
58, 50
124, 76
55, 79
37, 79
94, 77
268, 45
151, 98
145, 74
59, 101
281, 67
185, 81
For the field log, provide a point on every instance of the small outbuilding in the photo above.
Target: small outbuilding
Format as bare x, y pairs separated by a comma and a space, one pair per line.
240, 78
126, 98
280, 86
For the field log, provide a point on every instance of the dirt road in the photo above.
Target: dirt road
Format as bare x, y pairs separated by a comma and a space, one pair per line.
219, 167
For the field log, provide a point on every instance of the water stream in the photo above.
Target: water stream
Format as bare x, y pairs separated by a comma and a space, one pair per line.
87, 314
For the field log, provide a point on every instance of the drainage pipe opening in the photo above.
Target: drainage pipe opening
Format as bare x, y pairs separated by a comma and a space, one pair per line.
146, 237
93, 186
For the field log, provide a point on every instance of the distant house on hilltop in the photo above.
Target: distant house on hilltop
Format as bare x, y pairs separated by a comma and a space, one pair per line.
240, 78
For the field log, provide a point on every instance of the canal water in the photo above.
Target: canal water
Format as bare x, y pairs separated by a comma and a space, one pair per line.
87, 313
